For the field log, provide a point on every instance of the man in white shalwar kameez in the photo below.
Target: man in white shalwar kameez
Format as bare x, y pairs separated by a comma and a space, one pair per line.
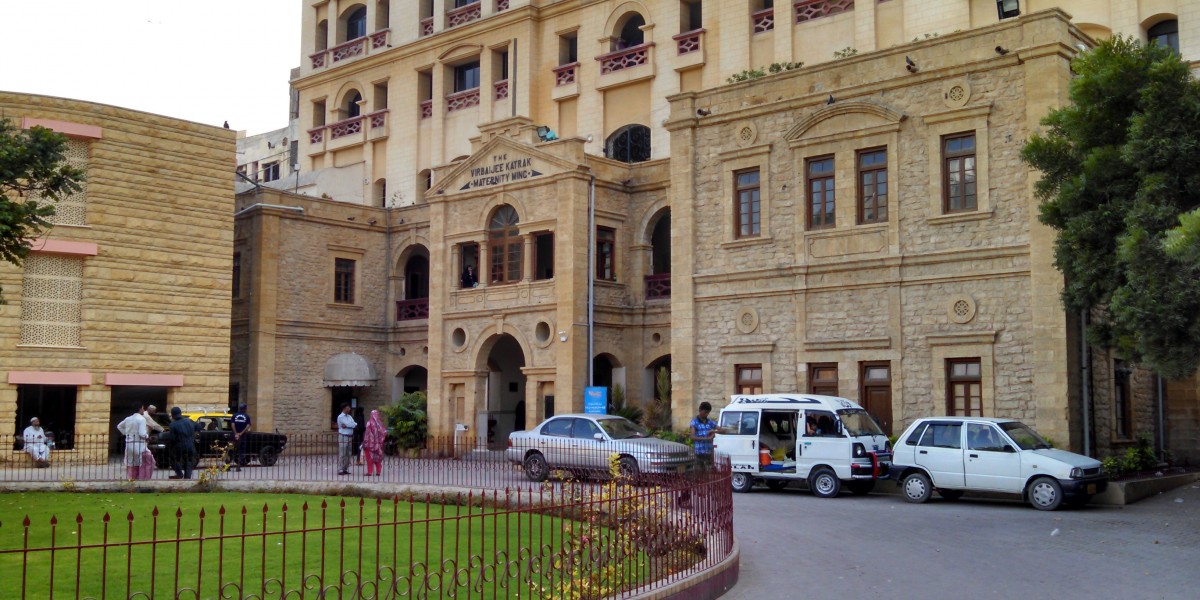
35, 443
139, 463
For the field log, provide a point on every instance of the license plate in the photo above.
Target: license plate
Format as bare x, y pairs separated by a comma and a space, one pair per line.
1091, 488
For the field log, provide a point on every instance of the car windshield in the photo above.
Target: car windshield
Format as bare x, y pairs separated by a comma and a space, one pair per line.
1025, 437
622, 429
857, 422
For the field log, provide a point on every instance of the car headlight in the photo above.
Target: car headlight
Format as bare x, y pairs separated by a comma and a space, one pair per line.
1077, 473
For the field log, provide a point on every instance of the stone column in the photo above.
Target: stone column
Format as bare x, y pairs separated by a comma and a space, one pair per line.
683, 243
265, 225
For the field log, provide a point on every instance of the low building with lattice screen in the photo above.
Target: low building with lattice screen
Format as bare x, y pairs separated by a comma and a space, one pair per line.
125, 299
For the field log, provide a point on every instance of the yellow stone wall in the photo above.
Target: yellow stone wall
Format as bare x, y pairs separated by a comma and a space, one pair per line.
155, 296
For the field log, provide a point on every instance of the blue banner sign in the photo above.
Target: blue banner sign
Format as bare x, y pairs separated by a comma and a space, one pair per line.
595, 400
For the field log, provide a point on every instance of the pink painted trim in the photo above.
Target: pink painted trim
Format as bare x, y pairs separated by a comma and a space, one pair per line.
64, 247
49, 378
78, 130
143, 379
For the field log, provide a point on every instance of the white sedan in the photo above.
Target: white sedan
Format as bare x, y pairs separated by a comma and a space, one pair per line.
586, 442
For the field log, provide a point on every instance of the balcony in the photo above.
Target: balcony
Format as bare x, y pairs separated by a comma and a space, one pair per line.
346, 127
763, 20
566, 81
316, 140
463, 99
350, 49
501, 5
463, 15
426, 26
658, 286
379, 39
411, 310
427, 108
807, 10
500, 90
690, 46
626, 66
318, 59
378, 124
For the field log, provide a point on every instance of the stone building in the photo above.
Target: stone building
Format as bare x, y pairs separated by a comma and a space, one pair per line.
515, 136
125, 300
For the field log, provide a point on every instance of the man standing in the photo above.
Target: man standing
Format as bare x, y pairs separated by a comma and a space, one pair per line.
183, 444
241, 431
702, 434
139, 463
35, 443
152, 423
346, 425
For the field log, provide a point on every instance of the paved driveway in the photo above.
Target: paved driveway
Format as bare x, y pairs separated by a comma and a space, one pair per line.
795, 545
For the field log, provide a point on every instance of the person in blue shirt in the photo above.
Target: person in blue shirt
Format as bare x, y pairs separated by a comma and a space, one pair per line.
241, 430
703, 429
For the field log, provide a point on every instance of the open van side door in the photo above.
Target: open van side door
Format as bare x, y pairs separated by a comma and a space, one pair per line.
737, 438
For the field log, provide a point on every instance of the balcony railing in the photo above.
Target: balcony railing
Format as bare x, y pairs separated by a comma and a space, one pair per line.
564, 74
318, 59
501, 90
379, 39
426, 109
807, 10
624, 59
346, 127
409, 310
688, 41
463, 15
501, 5
426, 26
463, 99
378, 118
350, 49
658, 286
764, 20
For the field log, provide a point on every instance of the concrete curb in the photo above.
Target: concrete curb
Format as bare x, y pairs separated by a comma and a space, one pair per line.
708, 584
1121, 493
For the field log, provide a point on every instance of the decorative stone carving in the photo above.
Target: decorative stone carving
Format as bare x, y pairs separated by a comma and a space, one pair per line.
747, 320
956, 93
744, 133
962, 308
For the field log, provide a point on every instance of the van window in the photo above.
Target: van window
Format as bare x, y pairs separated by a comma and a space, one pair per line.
739, 423
857, 422
820, 423
943, 435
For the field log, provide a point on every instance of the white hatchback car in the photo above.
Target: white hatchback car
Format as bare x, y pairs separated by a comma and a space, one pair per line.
958, 454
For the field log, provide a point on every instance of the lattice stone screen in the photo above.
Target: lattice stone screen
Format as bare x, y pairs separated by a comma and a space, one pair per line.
72, 209
51, 299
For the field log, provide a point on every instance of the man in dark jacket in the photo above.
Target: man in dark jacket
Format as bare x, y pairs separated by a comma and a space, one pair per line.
183, 444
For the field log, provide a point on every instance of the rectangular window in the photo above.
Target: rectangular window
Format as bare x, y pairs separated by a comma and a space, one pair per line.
820, 192
469, 256
747, 204
568, 48
237, 274
318, 114
823, 379
466, 76
749, 379
543, 255
606, 254
964, 387
51, 300
872, 186
691, 14
270, 171
504, 259
1122, 405
502, 59
343, 281
54, 406
958, 158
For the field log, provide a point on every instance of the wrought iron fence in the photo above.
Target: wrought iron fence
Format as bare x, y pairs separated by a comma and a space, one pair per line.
589, 539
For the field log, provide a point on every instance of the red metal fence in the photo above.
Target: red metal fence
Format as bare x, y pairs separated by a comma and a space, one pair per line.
589, 539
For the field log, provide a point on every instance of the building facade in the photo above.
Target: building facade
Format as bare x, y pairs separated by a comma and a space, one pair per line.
125, 300
860, 224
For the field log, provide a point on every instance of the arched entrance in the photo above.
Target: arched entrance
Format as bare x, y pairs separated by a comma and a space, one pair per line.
656, 385
607, 372
412, 379
504, 391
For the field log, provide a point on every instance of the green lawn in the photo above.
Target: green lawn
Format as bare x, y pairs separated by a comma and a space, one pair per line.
395, 544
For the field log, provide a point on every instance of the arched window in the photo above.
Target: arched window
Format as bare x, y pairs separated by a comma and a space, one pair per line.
630, 144
631, 33
1166, 34
350, 106
356, 23
321, 36
380, 192
505, 247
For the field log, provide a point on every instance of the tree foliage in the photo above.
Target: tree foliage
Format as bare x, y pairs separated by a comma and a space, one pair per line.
33, 175
1120, 164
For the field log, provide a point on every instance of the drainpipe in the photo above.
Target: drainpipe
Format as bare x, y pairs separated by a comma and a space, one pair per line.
1085, 371
591, 271
1162, 432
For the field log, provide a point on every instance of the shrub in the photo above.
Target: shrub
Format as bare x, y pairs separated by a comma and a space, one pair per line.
658, 413
773, 68
1111, 466
621, 409
408, 421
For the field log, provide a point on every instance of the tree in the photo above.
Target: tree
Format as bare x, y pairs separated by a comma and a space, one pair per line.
33, 175
1120, 164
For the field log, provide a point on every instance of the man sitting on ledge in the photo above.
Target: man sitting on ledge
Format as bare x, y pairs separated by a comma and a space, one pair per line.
35, 443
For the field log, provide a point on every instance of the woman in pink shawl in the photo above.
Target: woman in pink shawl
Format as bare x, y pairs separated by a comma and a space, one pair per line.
372, 445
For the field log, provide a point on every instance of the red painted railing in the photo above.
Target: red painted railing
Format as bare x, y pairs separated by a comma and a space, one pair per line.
318, 59
378, 118
764, 20
317, 135
350, 49
379, 39
501, 5
463, 15
500, 89
624, 59
346, 127
426, 26
463, 99
658, 286
807, 10
688, 41
627, 537
426, 109
408, 310
564, 74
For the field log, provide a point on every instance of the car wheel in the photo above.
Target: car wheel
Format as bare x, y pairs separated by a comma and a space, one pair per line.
742, 482
824, 483
777, 484
1045, 493
950, 494
536, 468
268, 456
916, 487
861, 487
628, 468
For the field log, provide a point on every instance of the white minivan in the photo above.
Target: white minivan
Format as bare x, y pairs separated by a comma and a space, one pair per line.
823, 440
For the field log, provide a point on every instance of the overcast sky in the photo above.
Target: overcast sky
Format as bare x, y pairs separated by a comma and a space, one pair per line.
207, 61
